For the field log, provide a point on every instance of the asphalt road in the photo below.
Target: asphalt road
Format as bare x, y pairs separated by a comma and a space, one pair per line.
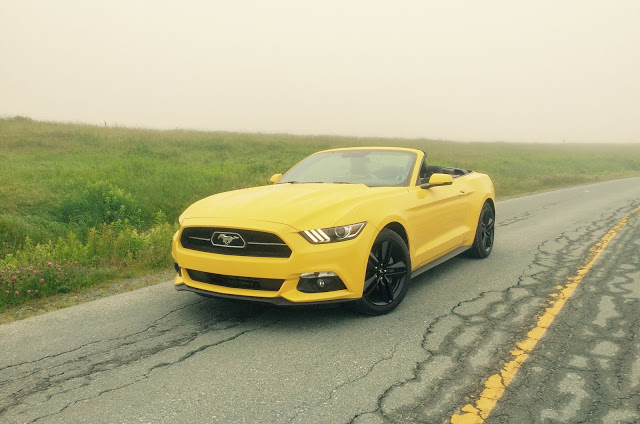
156, 355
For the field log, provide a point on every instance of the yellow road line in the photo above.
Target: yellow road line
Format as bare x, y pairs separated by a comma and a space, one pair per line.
495, 385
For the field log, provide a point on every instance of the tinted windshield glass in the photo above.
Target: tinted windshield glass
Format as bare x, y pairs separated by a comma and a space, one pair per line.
371, 167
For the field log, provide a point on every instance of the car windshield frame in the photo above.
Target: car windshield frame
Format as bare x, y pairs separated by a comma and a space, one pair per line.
371, 167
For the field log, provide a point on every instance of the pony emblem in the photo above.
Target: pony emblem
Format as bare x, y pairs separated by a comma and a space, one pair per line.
225, 239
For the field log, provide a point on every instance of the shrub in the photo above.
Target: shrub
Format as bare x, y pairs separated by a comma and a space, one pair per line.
100, 203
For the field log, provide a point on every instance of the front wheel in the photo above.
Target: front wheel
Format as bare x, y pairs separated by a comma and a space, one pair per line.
483, 241
387, 276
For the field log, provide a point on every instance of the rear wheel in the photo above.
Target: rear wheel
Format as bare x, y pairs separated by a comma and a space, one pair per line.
483, 242
387, 276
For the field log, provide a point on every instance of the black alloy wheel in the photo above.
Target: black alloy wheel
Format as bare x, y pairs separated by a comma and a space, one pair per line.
485, 233
387, 275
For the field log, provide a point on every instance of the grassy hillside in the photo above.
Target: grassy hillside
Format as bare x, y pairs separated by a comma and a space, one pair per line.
96, 202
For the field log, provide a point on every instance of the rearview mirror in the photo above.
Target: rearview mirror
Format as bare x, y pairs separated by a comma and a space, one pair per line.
438, 180
274, 178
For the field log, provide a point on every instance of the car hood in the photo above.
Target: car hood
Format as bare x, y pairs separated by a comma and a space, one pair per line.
302, 206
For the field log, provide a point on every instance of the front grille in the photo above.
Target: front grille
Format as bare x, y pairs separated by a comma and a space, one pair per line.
240, 242
266, 284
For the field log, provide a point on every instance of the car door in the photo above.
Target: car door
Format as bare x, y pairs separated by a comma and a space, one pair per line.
437, 220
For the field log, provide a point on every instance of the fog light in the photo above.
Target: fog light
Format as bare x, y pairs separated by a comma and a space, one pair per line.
316, 282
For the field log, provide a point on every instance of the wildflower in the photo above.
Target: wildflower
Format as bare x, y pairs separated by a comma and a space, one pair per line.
14, 278
30, 267
17, 271
42, 281
28, 291
36, 291
17, 293
49, 263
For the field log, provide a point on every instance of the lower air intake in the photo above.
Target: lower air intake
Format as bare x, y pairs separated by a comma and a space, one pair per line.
232, 281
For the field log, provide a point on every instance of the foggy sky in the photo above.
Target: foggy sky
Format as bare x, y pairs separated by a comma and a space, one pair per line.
493, 70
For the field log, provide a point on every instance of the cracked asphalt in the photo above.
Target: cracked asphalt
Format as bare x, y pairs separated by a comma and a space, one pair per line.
156, 355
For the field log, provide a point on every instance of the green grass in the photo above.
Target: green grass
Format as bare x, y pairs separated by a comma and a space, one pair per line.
60, 180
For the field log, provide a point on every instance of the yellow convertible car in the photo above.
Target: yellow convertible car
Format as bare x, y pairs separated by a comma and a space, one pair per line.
352, 224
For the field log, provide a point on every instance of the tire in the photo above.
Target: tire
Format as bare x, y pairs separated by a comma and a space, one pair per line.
387, 275
485, 233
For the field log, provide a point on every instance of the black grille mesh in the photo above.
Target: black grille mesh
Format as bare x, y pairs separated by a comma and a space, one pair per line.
266, 284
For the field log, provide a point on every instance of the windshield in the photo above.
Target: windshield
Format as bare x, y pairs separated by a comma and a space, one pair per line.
375, 168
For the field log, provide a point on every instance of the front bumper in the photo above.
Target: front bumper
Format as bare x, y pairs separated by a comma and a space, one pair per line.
346, 259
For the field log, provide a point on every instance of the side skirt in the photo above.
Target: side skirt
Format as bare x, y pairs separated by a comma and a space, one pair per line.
440, 260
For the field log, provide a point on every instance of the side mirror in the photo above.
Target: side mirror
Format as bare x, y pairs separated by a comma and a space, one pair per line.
438, 180
274, 178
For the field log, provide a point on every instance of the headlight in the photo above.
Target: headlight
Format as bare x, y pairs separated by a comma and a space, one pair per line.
331, 235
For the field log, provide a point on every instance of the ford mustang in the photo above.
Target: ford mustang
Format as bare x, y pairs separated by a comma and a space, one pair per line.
352, 224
